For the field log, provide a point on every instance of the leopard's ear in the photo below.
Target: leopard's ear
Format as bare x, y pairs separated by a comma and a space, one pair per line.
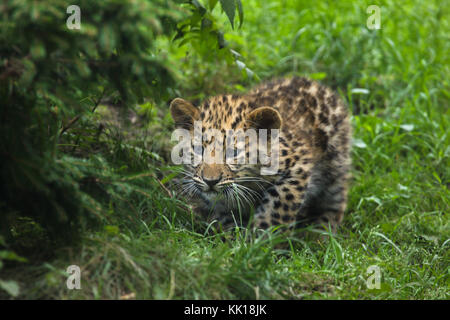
264, 118
184, 113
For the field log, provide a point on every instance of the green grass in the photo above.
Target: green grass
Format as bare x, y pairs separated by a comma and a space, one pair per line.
399, 204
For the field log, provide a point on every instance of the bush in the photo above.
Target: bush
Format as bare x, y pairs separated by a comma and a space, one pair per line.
53, 78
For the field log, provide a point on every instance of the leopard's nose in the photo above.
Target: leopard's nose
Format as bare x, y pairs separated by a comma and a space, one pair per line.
211, 182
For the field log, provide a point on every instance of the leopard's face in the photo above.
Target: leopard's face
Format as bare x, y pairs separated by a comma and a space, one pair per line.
223, 168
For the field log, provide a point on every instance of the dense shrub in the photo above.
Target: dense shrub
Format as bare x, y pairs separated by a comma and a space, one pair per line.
52, 78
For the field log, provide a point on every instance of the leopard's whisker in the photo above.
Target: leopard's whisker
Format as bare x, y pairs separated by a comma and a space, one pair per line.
251, 192
189, 189
253, 179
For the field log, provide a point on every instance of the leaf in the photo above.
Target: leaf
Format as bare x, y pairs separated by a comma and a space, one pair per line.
212, 4
388, 241
360, 91
249, 73
359, 143
235, 53
374, 199
201, 9
12, 256
298, 34
407, 127
229, 6
240, 64
318, 75
11, 287
169, 177
240, 12
112, 230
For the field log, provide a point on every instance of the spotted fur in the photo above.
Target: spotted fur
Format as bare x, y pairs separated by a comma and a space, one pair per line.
311, 184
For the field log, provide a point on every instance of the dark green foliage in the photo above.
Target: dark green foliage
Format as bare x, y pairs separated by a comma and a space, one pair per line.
53, 78
50, 74
230, 7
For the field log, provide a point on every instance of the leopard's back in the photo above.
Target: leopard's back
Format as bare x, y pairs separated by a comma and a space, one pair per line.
315, 152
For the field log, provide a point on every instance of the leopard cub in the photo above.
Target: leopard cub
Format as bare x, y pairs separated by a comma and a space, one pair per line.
310, 183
